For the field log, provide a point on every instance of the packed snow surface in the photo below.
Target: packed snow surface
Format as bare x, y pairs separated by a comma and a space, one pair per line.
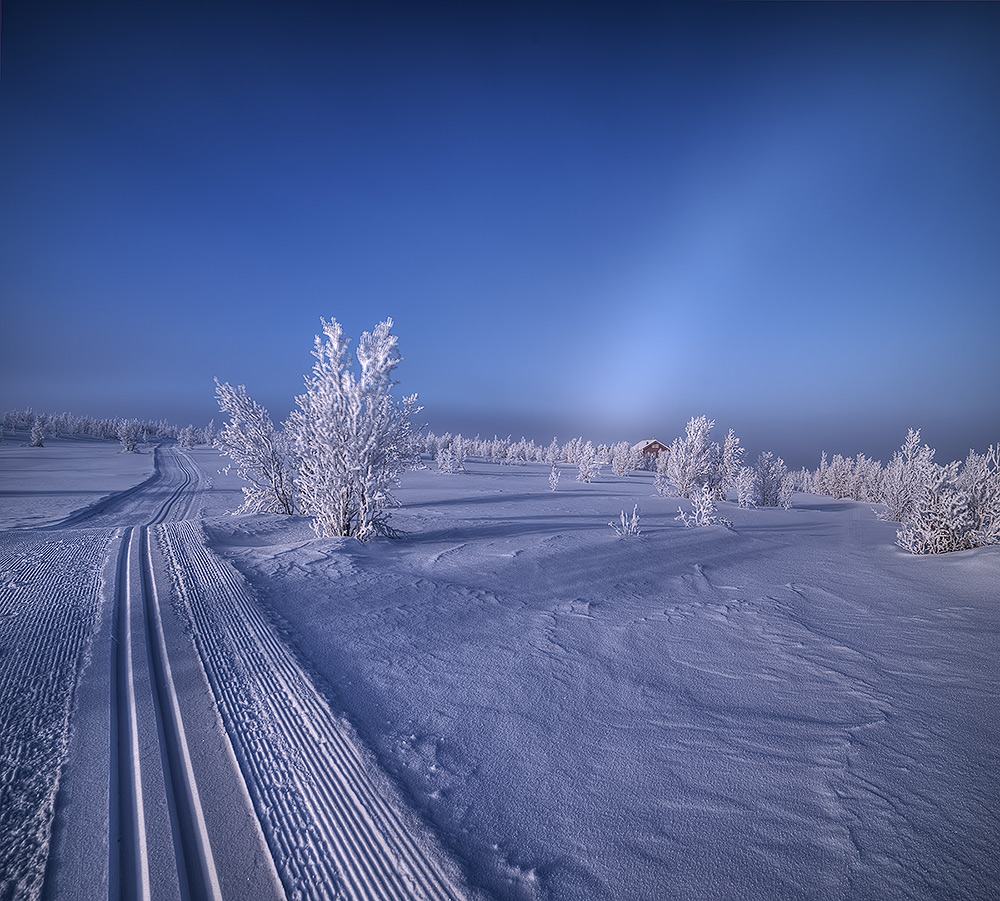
510, 702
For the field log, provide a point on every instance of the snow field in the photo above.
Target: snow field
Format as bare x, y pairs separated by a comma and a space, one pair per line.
795, 708
45, 626
42, 486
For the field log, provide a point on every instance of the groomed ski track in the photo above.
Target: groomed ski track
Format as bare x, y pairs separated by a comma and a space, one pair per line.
228, 775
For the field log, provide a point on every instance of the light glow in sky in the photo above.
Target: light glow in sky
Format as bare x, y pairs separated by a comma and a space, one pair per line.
595, 221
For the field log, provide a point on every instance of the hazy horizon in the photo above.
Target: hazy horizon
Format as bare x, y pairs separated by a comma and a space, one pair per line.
584, 222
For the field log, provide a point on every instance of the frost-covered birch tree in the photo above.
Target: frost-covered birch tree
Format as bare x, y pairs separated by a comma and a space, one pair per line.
694, 459
352, 437
259, 451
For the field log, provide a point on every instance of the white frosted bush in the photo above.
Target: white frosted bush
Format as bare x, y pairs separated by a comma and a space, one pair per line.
771, 473
693, 460
629, 527
351, 436
703, 510
956, 507
588, 464
129, 433
260, 453
747, 486
907, 472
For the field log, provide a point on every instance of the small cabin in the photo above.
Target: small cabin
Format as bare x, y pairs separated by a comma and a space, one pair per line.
652, 448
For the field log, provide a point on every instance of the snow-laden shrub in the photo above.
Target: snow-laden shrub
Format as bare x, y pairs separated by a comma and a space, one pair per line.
451, 457
771, 474
629, 527
587, 463
956, 508
788, 483
662, 480
747, 486
866, 479
190, 437
980, 480
37, 433
553, 478
730, 461
351, 436
129, 433
693, 460
261, 454
624, 459
703, 510
910, 468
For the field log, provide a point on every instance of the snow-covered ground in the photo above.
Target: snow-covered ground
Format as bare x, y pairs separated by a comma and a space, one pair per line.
40, 486
518, 704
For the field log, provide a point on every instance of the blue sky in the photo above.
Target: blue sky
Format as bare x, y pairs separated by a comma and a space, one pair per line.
595, 220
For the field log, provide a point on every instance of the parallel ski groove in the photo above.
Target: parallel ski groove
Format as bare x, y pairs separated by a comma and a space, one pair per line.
129, 855
137, 605
195, 848
354, 836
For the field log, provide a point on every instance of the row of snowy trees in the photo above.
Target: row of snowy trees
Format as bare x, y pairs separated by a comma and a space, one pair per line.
697, 467
453, 450
940, 508
340, 452
41, 426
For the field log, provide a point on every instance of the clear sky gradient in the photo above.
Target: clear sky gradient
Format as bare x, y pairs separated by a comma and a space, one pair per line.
588, 219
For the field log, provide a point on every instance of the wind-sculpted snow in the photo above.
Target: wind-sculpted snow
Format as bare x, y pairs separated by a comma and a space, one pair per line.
45, 624
792, 708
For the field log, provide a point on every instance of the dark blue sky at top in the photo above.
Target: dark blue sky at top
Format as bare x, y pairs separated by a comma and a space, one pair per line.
589, 219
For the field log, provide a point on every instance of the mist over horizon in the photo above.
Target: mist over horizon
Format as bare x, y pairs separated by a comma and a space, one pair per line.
592, 222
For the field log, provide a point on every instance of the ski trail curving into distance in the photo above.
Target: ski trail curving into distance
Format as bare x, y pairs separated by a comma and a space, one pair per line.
138, 627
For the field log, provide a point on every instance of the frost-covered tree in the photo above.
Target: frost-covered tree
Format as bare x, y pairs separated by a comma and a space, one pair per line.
956, 507
980, 480
552, 452
866, 479
587, 463
189, 436
37, 433
747, 486
352, 437
910, 468
730, 461
624, 459
259, 451
129, 433
451, 458
554, 478
662, 479
771, 474
693, 460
